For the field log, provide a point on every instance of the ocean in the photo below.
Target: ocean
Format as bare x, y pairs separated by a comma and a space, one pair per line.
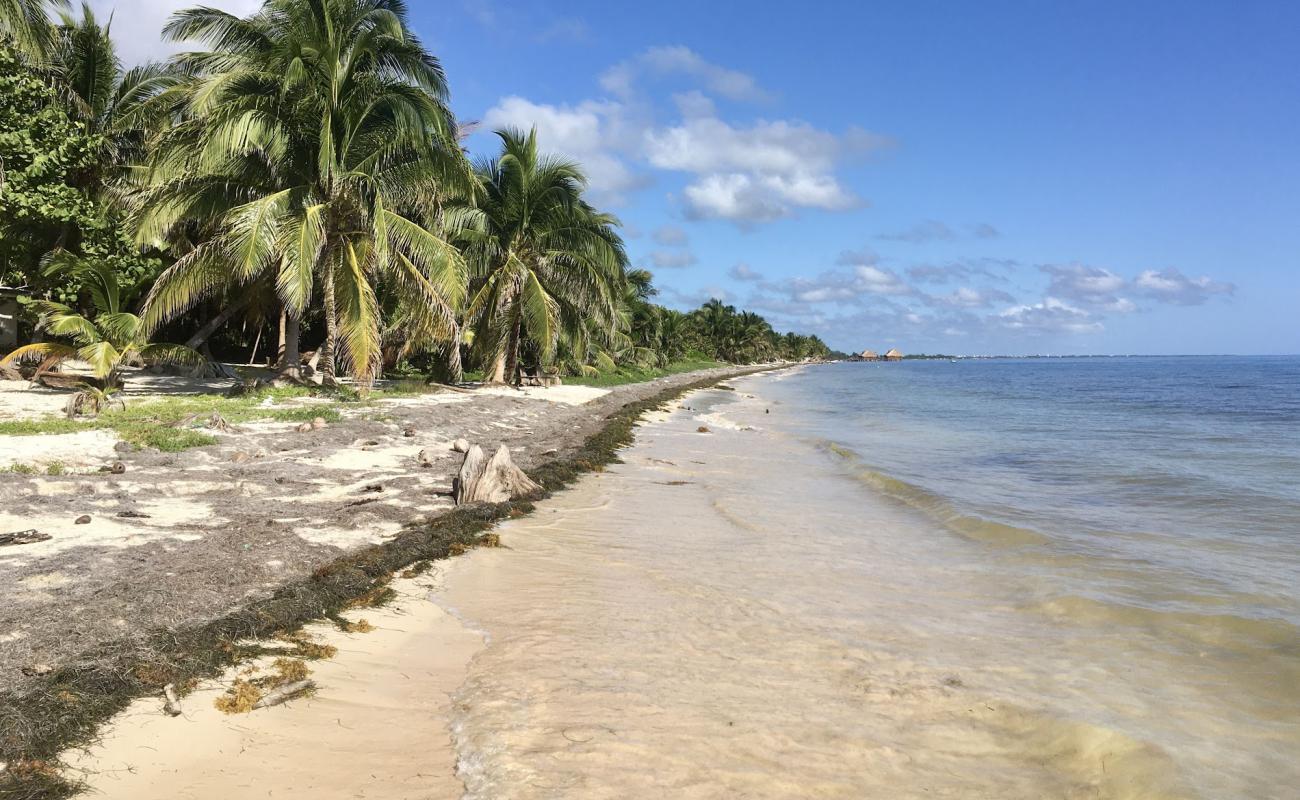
985, 578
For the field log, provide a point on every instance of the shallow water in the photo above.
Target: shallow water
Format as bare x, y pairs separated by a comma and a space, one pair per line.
904, 581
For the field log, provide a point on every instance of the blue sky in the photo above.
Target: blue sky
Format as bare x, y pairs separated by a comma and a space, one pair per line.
1004, 177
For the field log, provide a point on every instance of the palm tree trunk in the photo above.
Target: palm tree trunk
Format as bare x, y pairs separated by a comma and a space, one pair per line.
512, 354
200, 336
291, 366
279, 342
331, 331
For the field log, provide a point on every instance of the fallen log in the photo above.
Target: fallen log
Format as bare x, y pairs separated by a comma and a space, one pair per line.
285, 693
29, 536
492, 480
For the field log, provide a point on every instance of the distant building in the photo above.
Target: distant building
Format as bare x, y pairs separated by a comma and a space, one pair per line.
869, 355
893, 355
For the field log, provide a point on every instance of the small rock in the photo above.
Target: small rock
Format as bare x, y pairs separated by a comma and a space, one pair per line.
117, 468
702, 429
303, 428
318, 423
408, 432
460, 445
122, 447
422, 458
84, 519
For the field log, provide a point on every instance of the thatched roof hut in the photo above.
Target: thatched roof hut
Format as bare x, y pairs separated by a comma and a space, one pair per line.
893, 355
869, 355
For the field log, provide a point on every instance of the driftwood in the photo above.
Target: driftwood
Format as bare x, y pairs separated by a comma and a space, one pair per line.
10, 372
285, 693
29, 536
491, 480
172, 701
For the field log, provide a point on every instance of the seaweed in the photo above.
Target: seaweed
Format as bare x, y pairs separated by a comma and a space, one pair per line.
66, 707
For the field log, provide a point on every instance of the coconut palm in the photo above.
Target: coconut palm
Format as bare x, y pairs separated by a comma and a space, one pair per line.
111, 339
548, 268
318, 146
26, 24
119, 106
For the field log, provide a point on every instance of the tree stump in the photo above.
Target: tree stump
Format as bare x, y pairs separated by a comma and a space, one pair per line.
492, 480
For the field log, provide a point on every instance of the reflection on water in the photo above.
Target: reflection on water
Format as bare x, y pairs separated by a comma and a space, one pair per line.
750, 613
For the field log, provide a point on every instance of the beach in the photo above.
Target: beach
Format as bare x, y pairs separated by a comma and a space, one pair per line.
745, 607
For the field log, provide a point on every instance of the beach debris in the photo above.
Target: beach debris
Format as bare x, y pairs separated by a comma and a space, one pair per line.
363, 501
318, 423
29, 536
36, 670
284, 694
215, 421
131, 514
702, 429
492, 480
84, 519
460, 446
422, 458
171, 700
365, 443
409, 431
303, 428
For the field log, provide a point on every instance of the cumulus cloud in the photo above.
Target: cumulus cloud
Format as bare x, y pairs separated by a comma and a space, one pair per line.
1172, 286
1089, 286
756, 173
968, 297
1050, 316
672, 259
137, 24
670, 236
744, 272
676, 60
589, 132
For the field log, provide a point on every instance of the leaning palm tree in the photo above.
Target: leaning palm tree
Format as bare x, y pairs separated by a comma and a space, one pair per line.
26, 25
108, 341
547, 266
318, 147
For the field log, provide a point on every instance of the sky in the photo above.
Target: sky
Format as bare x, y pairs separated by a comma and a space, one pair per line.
969, 178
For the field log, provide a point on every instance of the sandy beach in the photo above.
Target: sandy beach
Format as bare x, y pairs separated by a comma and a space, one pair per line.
177, 539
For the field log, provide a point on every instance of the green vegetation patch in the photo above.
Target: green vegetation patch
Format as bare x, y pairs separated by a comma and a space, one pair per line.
625, 375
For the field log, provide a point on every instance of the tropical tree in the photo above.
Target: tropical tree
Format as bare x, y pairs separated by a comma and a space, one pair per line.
111, 339
547, 266
318, 147
26, 24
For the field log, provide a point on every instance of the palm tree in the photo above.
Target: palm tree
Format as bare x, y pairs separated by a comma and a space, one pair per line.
113, 338
318, 146
120, 106
26, 25
547, 266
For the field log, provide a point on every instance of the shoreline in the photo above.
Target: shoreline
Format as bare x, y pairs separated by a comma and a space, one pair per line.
65, 707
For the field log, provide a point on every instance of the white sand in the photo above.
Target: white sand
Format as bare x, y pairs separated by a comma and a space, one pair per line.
81, 449
570, 395
376, 727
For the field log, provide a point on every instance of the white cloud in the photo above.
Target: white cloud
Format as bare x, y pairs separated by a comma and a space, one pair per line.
968, 297
932, 230
753, 174
1050, 316
137, 24
744, 272
1172, 286
665, 61
589, 133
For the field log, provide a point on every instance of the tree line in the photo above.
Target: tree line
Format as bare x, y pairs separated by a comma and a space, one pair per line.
298, 184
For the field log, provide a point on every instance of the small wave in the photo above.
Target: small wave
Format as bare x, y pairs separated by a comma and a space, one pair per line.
1226, 631
965, 525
